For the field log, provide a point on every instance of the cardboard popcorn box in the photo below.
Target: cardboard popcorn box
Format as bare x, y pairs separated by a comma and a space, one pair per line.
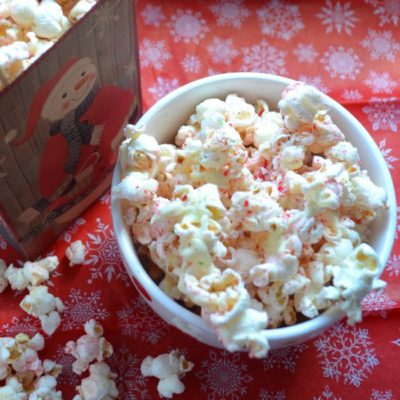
61, 124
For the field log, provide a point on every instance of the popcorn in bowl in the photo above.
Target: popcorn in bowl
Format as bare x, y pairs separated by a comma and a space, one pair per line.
257, 218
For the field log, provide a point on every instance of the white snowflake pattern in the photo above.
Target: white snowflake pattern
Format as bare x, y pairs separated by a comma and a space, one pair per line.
104, 258
104, 16
387, 10
130, 382
67, 376
377, 302
342, 63
72, 229
272, 395
393, 264
25, 324
383, 113
380, 82
305, 53
211, 72
3, 242
80, 307
396, 342
264, 57
191, 63
352, 95
386, 153
315, 81
280, 19
381, 45
162, 87
152, 15
285, 358
153, 53
187, 26
222, 51
137, 319
230, 13
106, 199
381, 395
347, 354
338, 16
327, 394
224, 377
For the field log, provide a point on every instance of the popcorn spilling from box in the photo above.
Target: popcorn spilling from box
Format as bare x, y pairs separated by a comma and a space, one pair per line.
29, 27
169, 369
26, 376
256, 216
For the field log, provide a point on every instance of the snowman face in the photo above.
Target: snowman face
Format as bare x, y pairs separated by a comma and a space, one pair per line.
70, 90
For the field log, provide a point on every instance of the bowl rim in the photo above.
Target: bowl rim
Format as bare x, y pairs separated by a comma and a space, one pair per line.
129, 256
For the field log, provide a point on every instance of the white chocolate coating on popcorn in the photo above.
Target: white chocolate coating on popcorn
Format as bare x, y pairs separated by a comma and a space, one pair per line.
257, 215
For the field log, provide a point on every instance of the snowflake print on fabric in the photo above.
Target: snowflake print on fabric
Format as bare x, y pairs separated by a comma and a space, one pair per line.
342, 63
383, 113
80, 307
152, 15
377, 302
187, 26
381, 395
387, 10
380, 82
305, 53
162, 87
222, 51
72, 229
104, 259
264, 57
272, 395
104, 17
352, 95
315, 81
67, 376
106, 199
393, 264
285, 358
386, 153
137, 320
337, 16
381, 45
224, 375
280, 19
191, 63
153, 53
130, 382
230, 13
327, 394
347, 354
396, 342
25, 324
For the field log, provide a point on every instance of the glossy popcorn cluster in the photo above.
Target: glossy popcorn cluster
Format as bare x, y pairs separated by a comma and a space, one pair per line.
258, 217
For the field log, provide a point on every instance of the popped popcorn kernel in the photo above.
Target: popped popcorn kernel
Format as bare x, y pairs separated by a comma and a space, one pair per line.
76, 253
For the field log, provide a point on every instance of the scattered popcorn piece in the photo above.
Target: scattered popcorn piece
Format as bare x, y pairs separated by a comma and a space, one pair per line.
3, 279
99, 385
168, 368
80, 9
88, 348
43, 305
76, 253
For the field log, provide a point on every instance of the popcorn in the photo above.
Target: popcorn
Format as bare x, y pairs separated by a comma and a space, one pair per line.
258, 216
89, 347
168, 368
3, 279
99, 384
80, 9
43, 305
13, 390
76, 253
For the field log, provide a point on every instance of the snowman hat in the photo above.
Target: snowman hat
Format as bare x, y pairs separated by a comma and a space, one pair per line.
37, 105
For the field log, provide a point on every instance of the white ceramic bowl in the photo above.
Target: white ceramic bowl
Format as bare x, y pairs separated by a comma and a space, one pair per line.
163, 120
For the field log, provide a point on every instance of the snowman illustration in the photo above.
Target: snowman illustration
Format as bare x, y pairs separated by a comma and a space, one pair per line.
86, 124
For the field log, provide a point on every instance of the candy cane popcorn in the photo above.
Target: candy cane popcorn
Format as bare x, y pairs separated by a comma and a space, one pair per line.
76, 253
257, 216
88, 348
43, 305
168, 368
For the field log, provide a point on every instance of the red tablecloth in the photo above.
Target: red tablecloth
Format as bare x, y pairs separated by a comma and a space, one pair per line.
350, 50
